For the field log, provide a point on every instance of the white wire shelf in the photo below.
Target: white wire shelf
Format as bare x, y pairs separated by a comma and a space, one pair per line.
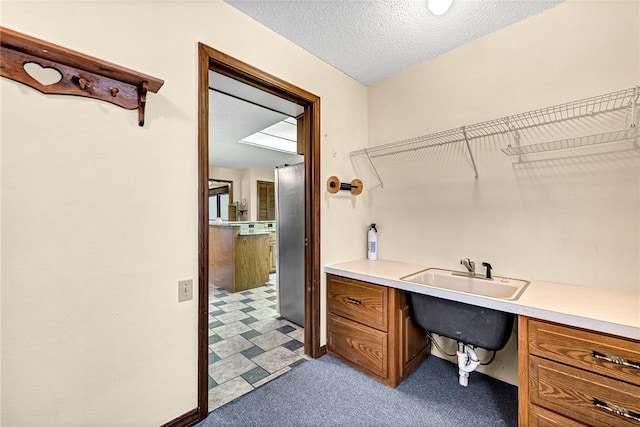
413, 144
511, 125
587, 107
577, 142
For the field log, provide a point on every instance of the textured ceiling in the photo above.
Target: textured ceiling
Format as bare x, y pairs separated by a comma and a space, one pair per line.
367, 40
372, 40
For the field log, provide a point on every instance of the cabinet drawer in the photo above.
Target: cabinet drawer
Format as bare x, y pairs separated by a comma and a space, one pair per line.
582, 395
358, 301
600, 353
361, 345
539, 417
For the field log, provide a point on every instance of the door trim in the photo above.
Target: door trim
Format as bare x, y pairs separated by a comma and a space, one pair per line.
212, 59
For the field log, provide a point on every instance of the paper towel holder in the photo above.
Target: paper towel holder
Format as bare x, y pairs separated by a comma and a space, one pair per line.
334, 185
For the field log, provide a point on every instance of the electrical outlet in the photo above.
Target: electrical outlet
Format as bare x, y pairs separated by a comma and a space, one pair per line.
185, 290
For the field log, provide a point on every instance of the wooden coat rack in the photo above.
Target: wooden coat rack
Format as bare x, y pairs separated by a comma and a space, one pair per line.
79, 74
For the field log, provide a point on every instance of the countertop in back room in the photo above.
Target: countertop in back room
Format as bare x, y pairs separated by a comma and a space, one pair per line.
248, 228
601, 310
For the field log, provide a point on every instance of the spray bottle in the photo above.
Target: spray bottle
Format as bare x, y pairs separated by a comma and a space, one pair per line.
372, 243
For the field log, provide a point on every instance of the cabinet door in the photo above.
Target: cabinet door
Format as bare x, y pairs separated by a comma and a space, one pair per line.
414, 343
539, 417
365, 347
233, 212
250, 255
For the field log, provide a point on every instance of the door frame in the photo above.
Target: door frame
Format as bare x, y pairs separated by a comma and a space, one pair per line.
212, 59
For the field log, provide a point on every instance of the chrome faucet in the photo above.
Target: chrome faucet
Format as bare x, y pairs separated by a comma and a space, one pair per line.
469, 265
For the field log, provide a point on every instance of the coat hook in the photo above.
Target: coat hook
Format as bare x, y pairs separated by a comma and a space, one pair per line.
83, 83
142, 100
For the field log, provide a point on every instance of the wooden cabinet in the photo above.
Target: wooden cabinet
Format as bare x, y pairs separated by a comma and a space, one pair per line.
369, 328
237, 262
233, 211
575, 377
539, 417
273, 259
266, 201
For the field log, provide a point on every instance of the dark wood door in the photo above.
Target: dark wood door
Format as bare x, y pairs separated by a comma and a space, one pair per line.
266, 201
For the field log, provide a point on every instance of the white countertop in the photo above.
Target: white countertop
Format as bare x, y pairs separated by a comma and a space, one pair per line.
244, 231
611, 312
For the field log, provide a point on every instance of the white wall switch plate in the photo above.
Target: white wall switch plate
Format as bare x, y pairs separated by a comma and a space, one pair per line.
185, 290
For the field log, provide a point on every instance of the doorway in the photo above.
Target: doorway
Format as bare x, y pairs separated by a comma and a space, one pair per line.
309, 140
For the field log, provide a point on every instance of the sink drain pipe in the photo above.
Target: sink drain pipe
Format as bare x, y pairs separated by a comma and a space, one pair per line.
468, 361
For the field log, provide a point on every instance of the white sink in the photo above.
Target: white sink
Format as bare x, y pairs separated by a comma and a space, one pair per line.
497, 287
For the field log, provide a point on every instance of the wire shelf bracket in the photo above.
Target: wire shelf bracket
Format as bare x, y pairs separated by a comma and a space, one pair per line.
473, 161
373, 167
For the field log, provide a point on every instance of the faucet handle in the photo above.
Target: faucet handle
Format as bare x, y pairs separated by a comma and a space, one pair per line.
489, 268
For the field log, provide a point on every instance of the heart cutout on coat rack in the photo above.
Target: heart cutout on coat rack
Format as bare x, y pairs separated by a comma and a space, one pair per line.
46, 76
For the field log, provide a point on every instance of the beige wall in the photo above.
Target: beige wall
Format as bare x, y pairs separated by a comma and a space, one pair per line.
233, 175
99, 216
244, 185
571, 217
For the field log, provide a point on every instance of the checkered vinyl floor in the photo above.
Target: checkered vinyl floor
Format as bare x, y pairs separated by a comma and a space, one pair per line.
249, 343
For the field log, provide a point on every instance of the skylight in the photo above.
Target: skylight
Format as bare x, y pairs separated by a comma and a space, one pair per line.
281, 136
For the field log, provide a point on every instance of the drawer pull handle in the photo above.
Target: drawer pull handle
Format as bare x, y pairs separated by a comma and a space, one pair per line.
618, 410
615, 359
354, 301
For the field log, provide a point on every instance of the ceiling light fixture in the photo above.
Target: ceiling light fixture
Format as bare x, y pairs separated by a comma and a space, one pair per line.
281, 136
438, 7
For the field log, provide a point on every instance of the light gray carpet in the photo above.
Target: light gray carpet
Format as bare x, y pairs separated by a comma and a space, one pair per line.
325, 392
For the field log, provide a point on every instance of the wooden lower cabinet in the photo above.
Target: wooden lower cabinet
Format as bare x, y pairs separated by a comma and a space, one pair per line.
273, 259
237, 262
539, 417
369, 328
575, 377
359, 344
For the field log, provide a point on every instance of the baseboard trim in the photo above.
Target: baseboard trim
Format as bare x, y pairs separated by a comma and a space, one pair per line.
322, 350
185, 420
